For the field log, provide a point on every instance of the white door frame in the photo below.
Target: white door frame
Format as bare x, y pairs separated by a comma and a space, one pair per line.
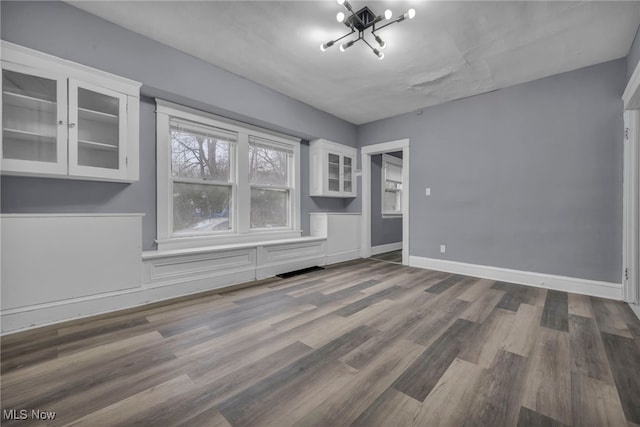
366, 152
631, 188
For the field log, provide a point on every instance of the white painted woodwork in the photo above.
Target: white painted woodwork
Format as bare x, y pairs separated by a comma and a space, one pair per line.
380, 249
58, 267
52, 258
366, 152
275, 259
631, 193
320, 176
69, 78
342, 231
529, 278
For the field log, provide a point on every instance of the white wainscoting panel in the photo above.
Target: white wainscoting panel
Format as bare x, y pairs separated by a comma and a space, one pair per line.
549, 281
50, 258
342, 231
63, 267
278, 259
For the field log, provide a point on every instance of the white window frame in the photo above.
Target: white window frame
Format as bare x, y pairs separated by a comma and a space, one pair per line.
289, 187
387, 159
241, 231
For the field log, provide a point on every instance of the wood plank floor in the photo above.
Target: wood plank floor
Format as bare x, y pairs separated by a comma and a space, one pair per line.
363, 343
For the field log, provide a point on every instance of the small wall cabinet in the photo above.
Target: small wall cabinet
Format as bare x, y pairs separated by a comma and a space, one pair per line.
332, 169
65, 120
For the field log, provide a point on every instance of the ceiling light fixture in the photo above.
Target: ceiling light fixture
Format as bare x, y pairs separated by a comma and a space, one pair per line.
360, 21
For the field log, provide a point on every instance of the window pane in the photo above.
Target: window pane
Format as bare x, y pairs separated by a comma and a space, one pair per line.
268, 165
394, 172
200, 208
198, 155
269, 208
392, 201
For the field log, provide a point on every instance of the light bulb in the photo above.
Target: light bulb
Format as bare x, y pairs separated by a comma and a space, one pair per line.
340, 2
411, 13
347, 45
324, 46
380, 42
388, 14
340, 17
379, 54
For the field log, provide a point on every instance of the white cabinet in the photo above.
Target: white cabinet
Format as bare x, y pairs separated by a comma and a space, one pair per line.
332, 169
65, 120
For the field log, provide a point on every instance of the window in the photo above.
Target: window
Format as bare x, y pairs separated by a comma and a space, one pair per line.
221, 181
202, 178
269, 165
391, 185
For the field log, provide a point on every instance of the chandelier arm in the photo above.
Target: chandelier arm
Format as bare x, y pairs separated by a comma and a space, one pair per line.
365, 40
340, 38
400, 19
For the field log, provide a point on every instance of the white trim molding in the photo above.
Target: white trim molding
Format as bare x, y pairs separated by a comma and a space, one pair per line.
380, 249
529, 278
631, 192
366, 153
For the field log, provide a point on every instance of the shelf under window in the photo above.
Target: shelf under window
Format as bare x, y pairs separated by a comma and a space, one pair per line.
30, 102
97, 145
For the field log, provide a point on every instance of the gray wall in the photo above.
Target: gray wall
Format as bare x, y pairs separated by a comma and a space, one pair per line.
62, 30
633, 56
527, 178
383, 230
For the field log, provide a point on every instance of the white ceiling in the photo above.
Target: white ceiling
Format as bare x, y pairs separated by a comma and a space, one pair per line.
450, 50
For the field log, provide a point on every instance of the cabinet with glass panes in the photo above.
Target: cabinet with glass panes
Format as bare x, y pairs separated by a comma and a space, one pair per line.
65, 120
331, 169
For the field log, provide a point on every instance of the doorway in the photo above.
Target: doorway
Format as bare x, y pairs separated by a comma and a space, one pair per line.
401, 147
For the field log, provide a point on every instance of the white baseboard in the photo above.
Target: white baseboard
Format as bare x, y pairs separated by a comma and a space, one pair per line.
635, 308
342, 256
541, 280
25, 318
380, 249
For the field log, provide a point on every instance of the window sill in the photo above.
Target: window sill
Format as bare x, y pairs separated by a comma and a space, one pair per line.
147, 255
391, 215
227, 240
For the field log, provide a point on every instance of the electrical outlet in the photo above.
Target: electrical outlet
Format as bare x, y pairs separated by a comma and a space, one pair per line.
443, 248
427, 192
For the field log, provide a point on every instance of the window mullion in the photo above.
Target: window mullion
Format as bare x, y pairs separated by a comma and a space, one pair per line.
243, 199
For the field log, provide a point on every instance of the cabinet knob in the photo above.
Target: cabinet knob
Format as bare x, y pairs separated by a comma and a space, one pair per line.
72, 125
60, 122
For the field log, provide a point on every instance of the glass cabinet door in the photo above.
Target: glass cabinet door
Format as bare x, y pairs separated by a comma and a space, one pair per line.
33, 121
334, 172
347, 172
97, 131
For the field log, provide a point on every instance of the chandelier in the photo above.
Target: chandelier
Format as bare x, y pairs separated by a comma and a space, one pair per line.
361, 20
